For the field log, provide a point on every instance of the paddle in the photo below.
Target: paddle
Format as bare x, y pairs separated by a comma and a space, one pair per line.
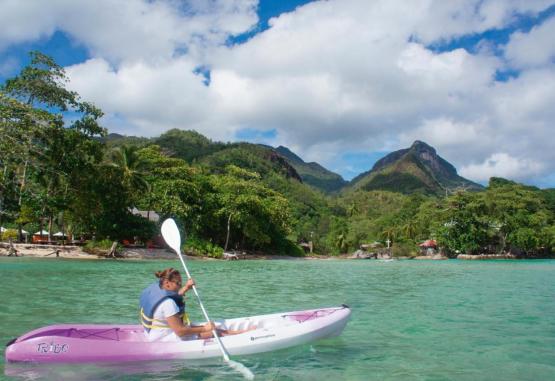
173, 239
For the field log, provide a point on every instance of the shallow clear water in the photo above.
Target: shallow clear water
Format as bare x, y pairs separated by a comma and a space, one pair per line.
412, 320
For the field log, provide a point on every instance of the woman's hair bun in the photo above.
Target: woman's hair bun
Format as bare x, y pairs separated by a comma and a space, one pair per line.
167, 273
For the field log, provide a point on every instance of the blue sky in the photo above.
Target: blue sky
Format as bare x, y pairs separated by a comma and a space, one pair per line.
340, 82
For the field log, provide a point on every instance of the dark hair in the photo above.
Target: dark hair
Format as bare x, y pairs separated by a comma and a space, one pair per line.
169, 274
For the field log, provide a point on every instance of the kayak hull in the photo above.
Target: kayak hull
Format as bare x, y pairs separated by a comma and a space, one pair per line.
90, 343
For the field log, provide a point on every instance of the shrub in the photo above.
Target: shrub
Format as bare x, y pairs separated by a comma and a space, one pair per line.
403, 249
288, 247
198, 246
100, 247
9, 233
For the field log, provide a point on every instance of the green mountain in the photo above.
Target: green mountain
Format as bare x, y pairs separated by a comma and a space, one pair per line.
253, 157
116, 140
411, 170
313, 173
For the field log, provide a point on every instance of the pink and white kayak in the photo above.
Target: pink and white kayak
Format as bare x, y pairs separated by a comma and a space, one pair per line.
82, 343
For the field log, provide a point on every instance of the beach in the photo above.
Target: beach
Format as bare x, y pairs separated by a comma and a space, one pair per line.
77, 252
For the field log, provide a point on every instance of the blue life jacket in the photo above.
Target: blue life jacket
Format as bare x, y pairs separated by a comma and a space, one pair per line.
151, 297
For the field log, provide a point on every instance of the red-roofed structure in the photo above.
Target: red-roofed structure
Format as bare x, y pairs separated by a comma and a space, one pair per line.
429, 243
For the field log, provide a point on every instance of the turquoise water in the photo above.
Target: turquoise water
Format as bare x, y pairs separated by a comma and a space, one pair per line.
412, 320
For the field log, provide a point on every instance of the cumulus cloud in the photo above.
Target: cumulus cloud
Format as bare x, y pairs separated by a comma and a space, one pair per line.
129, 30
532, 49
502, 165
443, 20
330, 77
445, 132
153, 98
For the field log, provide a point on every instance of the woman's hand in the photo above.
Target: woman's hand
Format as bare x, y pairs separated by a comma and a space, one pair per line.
190, 283
209, 327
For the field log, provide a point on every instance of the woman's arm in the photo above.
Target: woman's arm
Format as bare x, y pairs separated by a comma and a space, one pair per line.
180, 329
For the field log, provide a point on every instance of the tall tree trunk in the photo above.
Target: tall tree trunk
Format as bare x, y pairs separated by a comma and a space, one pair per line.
1, 208
22, 186
228, 229
50, 222
63, 230
40, 228
2, 196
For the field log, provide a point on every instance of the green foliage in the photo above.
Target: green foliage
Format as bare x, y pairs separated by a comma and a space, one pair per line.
44, 158
8, 234
404, 249
392, 182
100, 247
103, 244
187, 145
464, 230
200, 247
259, 215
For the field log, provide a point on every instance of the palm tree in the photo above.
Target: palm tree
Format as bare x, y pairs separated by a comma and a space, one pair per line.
341, 242
389, 233
125, 158
409, 229
352, 209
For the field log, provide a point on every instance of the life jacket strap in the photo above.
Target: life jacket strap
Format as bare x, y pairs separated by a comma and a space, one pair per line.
146, 322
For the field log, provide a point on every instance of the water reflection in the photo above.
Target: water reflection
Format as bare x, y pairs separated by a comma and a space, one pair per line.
158, 370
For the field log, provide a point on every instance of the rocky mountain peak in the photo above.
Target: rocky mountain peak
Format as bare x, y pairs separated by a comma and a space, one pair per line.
420, 146
417, 168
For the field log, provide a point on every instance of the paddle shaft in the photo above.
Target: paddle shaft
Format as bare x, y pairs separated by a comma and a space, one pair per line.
221, 345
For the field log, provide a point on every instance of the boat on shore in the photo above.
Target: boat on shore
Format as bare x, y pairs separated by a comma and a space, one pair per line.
93, 343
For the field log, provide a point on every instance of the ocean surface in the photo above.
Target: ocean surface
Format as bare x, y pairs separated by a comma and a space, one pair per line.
412, 320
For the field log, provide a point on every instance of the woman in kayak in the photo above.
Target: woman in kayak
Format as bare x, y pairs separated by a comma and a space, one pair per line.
163, 311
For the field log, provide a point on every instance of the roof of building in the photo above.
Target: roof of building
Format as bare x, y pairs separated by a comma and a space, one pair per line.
150, 214
429, 243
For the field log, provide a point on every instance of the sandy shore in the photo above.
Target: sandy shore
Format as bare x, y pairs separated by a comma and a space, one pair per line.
76, 252
46, 251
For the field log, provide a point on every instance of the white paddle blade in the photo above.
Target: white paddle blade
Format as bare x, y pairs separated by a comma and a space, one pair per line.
171, 235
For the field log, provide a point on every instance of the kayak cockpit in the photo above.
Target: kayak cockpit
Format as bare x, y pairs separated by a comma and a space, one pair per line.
89, 332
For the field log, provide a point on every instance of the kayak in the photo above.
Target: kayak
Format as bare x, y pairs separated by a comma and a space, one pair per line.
87, 343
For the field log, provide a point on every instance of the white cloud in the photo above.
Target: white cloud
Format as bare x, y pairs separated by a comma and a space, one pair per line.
330, 77
152, 98
532, 49
131, 29
22, 21
444, 132
443, 20
502, 165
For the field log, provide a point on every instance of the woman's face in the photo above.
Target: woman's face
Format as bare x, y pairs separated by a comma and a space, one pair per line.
174, 284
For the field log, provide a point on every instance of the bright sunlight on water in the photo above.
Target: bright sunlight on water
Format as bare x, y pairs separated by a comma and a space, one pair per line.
412, 320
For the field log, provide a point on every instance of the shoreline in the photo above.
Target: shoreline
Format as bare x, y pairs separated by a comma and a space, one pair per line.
28, 250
